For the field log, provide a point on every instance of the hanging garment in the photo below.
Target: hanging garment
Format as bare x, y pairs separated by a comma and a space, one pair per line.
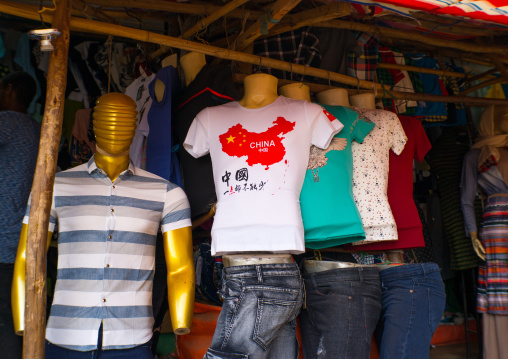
160, 159
370, 174
212, 86
259, 159
298, 46
138, 91
329, 212
445, 160
364, 66
400, 189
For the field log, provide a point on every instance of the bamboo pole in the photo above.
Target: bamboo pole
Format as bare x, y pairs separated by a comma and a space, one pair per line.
178, 7
277, 12
473, 101
311, 17
42, 188
422, 70
409, 35
84, 25
481, 76
201, 24
483, 84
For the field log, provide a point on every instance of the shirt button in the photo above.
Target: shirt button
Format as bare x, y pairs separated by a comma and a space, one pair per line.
114, 187
107, 265
104, 300
110, 237
112, 209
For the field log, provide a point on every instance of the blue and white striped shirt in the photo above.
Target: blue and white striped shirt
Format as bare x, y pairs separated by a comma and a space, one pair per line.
106, 254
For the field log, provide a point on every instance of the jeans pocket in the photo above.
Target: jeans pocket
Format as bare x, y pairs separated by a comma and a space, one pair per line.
216, 354
437, 301
272, 314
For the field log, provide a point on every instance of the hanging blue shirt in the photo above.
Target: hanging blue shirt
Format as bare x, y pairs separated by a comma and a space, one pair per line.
19, 145
160, 159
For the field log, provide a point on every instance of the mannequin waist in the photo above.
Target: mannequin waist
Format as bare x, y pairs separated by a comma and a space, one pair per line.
233, 260
313, 266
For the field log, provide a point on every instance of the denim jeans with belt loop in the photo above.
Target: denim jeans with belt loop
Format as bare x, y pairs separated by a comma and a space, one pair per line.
413, 304
258, 316
342, 308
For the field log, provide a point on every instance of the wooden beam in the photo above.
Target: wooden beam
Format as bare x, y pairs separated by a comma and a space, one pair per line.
483, 85
422, 70
311, 17
481, 76
202, 24
413, 36
473, 101
499, 66
276, 11
170, 6
42, 188
84, 25
83, 7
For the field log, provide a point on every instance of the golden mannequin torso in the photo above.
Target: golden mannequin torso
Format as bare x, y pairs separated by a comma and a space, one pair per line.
114, 125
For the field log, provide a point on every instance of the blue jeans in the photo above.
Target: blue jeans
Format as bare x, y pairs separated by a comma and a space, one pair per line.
142, 351
413, 304
343, 307
258, 316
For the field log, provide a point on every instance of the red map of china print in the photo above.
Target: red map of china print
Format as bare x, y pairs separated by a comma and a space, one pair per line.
263, 148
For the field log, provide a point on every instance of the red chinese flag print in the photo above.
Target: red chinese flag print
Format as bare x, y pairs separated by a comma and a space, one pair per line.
329, 115
263, 148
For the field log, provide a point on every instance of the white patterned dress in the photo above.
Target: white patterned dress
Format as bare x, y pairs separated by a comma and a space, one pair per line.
370, 174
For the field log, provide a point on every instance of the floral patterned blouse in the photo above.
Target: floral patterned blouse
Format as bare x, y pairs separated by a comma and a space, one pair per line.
370, 174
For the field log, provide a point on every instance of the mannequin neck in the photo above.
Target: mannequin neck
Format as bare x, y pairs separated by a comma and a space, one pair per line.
296, 91
364, 100
334, 97
191, 64
112, 165
260, 91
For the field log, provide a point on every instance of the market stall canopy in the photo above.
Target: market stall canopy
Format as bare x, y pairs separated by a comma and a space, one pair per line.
493, 11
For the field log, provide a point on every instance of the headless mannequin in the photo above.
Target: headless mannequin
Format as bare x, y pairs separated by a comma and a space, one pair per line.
114, 127
500, 127
297, 91
363, 100
334, 97
368, 101
191, 64
260, 90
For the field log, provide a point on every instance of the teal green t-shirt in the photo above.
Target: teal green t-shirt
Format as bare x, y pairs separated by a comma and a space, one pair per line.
329, 213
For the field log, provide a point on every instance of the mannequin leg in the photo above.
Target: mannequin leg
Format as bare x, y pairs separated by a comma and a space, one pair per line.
259, 301
343, 307
10, 343
413, 304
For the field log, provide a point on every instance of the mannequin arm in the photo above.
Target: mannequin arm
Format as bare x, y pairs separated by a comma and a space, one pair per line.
477, 245
18, 282
181, 278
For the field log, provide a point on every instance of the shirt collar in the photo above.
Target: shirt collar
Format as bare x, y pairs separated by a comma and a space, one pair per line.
92, 167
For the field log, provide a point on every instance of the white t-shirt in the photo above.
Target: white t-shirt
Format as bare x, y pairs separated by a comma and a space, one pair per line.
259, 158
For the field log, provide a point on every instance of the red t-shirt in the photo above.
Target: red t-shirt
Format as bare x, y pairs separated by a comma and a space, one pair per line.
400, 189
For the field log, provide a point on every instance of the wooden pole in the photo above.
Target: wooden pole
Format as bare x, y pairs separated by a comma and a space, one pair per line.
481, 76
410, 35
201, 24
91, 26
422, 70
170, 6
42, 188
473, 101
483, 84
310, 17
277, 12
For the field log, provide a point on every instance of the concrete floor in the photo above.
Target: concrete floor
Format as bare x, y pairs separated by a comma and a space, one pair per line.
454, 351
